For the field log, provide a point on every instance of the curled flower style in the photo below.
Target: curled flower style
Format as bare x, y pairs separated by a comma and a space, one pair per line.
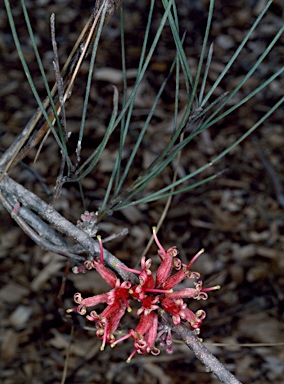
153, 293
88, 302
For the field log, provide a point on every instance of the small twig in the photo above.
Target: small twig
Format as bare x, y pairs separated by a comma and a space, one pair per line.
37, 176
39, 226
58, 76
41, 241
11, 153
124, 232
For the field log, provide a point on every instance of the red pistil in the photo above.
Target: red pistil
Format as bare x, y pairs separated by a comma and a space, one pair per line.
195, 258
214, 288
155, 290
163, 251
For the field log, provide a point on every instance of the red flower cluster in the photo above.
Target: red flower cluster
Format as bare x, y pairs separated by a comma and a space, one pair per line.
153, 294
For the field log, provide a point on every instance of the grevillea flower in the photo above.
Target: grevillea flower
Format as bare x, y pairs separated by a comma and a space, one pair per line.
153, 293
144, 335
88, 302
108, 321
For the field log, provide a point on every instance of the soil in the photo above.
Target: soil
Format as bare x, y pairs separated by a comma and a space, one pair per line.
238, 217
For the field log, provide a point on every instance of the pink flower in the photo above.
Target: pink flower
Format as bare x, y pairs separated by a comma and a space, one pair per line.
144, 336
108, 321
153, 294
88, 302
183, 273
194, 319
